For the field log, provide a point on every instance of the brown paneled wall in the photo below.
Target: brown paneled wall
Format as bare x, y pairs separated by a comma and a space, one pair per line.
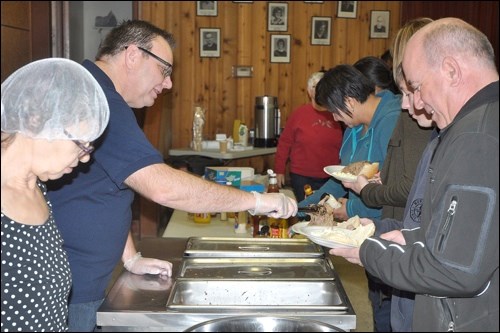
25, 33
481, 14
208, 82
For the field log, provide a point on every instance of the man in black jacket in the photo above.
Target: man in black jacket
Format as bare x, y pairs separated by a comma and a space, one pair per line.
451, 261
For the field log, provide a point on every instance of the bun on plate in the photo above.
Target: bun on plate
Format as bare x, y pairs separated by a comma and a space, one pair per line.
364, 168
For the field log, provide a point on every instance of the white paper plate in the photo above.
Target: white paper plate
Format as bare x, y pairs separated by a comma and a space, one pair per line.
334, 171
303, 228
328, 243
318, 234
308, 231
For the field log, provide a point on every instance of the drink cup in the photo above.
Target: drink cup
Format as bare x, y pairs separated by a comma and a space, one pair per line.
223, 146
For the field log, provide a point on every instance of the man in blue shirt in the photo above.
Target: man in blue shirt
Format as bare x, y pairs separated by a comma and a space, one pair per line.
92, 205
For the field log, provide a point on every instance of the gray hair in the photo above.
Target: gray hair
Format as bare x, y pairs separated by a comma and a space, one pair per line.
456, 37
314, 79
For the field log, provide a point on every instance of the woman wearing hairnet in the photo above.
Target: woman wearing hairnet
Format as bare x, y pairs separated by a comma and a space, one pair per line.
52, 110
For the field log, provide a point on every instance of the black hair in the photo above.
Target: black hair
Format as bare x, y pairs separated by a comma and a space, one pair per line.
339, 83
377, 71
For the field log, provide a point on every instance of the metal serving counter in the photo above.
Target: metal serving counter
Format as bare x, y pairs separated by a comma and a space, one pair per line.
139, 303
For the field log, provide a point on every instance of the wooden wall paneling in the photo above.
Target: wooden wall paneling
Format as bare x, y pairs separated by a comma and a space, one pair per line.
16, 14
260, 49
41, 35
187, 75
481, 14
245, 55
16, 50
16, 36
227, 96
246, 41
293, 86
339, 39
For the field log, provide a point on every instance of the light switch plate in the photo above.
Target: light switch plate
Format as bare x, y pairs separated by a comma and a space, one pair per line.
242, 71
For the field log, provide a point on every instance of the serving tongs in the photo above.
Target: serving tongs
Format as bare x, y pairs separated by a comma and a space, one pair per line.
309, 209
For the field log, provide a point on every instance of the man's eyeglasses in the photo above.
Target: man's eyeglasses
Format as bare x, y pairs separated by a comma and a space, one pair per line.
167, 70
85, 150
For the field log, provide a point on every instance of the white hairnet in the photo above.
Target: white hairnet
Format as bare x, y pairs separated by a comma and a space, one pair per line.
54, 98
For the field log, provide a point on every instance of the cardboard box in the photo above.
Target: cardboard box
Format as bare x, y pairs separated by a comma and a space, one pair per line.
250, 185
222, 175
234, 175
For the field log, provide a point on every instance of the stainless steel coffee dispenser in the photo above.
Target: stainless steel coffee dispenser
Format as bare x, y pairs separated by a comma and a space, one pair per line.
266, 121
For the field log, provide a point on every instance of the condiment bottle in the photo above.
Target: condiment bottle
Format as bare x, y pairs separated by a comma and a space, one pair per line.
307, 190
283, 228
275, 228
272, 187
236, 130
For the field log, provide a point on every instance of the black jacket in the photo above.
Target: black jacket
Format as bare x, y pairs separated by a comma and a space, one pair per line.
451, 261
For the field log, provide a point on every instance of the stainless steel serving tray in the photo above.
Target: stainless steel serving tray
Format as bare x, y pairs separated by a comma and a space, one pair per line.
252, 247
261, 295
257, 268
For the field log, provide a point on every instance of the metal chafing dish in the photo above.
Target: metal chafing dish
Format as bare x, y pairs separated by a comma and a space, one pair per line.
261, 295
257, 268
251, 247
150, 303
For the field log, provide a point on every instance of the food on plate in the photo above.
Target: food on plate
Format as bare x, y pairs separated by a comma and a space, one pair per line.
364, 168
350, 224
350, 232
324, 215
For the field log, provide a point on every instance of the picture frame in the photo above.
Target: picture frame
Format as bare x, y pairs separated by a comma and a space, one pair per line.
347, 9
321, 27
277, 16
280, 48
206, 8
209, 42
380, 23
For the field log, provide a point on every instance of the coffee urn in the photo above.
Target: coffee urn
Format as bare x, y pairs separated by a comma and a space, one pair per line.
267, 121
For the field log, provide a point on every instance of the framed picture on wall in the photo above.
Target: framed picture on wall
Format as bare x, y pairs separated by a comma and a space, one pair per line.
321, 30
206, 8
347, 9
280, 48
277, 16
379, 23
209, 42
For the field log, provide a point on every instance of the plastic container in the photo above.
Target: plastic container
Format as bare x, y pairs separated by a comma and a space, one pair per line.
243, 135
236, 130
240, 226
202, 218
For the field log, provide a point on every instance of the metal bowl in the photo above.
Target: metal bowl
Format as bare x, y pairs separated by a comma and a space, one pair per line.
262, 324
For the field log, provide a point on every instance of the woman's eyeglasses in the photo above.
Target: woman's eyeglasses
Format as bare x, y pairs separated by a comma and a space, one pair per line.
85, 150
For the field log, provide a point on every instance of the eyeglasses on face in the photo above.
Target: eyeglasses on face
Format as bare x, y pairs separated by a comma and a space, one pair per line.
166, 71
85, 150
